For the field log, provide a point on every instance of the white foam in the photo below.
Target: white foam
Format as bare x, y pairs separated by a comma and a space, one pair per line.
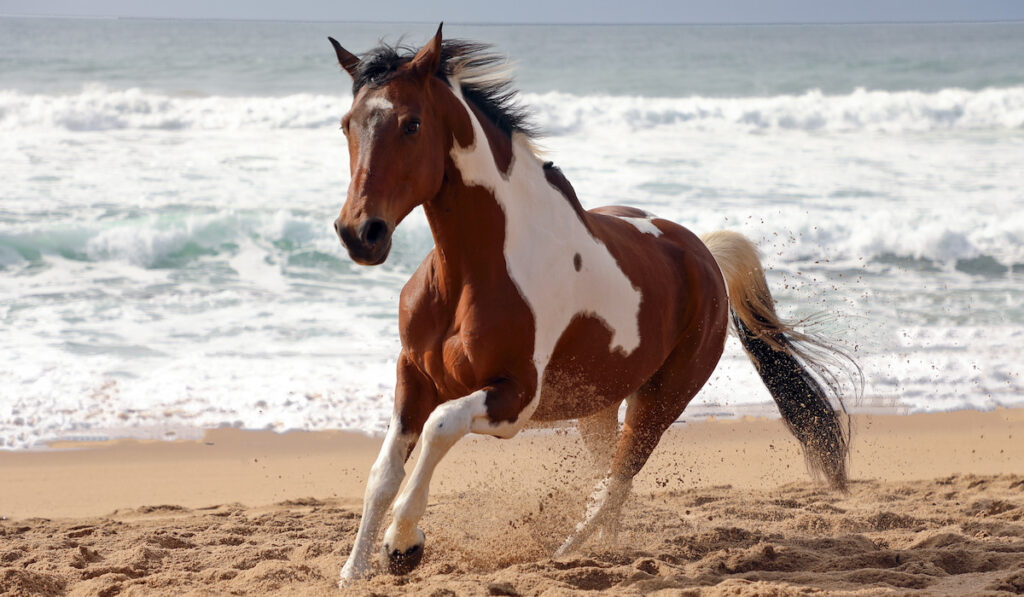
873, 111
98, 108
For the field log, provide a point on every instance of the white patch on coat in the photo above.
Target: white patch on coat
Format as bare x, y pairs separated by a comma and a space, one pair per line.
645, 225
543, 234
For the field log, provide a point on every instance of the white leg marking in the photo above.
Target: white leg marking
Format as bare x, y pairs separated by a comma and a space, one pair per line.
543, 235
603, 508
445, 426
385, 479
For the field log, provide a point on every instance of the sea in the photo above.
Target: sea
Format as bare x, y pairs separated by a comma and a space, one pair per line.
167, 192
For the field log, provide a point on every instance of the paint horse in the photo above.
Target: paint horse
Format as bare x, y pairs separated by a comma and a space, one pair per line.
530, 308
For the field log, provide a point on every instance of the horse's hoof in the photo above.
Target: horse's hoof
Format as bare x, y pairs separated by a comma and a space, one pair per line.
403, 562
349, 578
352, 572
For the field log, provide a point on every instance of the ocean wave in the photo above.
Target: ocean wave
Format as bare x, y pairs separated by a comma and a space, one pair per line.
303, 241
98, 108
871, 111
177, 239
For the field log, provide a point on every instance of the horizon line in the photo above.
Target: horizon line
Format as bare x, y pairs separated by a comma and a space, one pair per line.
516, 23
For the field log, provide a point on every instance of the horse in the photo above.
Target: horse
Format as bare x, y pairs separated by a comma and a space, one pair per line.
531, 308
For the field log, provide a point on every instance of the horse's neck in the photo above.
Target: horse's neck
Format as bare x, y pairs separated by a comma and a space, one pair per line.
559, 267
532, 211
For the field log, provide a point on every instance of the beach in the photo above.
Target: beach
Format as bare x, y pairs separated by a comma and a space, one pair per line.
936, 505
196, 377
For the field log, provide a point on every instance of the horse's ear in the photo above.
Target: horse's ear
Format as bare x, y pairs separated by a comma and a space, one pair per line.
346, 59
426, 61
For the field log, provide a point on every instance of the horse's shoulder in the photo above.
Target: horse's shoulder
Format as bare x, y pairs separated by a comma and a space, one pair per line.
420, 291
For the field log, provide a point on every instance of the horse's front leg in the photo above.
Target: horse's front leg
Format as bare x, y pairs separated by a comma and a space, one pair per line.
485, 411
414, 399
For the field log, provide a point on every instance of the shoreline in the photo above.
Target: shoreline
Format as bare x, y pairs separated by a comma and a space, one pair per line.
695, 413
263, 467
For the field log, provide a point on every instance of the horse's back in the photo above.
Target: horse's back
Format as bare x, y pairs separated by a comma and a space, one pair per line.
647, 236
675, 263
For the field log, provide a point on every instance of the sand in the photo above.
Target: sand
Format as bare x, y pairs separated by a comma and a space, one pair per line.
723, 507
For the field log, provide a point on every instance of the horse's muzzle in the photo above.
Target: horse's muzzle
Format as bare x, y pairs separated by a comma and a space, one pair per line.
368, 243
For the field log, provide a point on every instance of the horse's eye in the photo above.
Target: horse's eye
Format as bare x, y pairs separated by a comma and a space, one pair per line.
412, 127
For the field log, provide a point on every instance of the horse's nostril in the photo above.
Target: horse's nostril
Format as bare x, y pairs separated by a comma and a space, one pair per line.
337, 226
373, 231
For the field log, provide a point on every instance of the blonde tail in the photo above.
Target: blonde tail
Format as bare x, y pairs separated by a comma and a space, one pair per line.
792, 364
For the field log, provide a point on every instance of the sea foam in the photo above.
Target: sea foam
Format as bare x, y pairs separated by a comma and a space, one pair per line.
99, 108
943, 240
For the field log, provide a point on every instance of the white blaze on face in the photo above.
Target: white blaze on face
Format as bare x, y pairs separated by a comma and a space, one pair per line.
543, 236
379, 102
378, 109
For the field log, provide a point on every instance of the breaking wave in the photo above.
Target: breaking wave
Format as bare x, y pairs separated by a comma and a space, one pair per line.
98, 108
307, 241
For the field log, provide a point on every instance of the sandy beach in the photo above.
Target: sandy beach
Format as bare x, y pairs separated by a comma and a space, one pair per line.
723, 507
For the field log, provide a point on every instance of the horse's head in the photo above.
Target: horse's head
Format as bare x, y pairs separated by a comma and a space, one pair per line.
396, 144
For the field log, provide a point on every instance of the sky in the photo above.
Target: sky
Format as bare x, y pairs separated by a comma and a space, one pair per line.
538, 11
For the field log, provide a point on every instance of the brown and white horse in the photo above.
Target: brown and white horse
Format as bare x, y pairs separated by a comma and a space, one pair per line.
532, 308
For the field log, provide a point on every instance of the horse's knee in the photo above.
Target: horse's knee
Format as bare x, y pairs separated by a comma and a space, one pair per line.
385, 477
503, 430
449, 422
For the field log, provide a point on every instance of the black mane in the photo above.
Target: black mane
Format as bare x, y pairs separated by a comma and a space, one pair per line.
469, 63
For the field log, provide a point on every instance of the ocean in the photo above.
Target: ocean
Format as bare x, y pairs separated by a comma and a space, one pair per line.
167, 193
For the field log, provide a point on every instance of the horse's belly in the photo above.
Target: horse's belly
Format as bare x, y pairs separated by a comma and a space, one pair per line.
567, 395
585, 374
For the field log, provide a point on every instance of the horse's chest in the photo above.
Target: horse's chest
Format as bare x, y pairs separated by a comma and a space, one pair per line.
478, 340
453, 367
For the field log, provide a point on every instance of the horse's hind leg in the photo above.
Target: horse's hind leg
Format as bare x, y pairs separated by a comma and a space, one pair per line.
655, 406
599, 432
645, 422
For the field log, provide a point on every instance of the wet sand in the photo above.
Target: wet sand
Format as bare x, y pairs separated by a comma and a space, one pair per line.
723, 507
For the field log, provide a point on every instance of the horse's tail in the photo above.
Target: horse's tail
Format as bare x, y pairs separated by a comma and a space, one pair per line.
792, 364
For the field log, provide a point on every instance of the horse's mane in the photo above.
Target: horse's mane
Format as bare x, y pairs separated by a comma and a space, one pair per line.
483, 75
